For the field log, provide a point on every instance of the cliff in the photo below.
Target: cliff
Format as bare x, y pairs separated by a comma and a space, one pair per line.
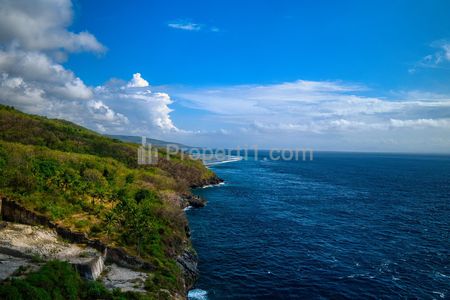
90, 189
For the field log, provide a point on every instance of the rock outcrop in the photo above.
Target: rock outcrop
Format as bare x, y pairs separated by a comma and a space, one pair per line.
208, 181
188, 262
124, 279
193, 201
26, 246
40, 243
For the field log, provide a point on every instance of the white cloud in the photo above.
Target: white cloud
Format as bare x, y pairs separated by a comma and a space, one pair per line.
31, 33
437, 59
421, 123
34, 39
146, 111
183, 25
102, 112
317, 105
15, 91
138, 81
319, 111
41, 25
32, 81
191, 26
300, 99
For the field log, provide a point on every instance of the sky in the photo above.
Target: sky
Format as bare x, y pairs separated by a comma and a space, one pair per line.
328, 75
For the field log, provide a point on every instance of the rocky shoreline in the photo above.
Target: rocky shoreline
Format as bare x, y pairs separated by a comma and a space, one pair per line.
188, 260
120, 264
210, 181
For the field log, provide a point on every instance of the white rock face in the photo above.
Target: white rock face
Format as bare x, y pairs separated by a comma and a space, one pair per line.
9, 264
19, 244
25, 242
43, 242
125, 279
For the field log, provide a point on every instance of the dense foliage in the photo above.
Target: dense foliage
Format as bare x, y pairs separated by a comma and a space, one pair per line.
89, 183
18, 127
58, 280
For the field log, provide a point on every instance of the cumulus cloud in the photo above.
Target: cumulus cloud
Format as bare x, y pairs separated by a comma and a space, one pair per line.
102, 112
34, 39
146, 110
32, 81
137, 81
41, 25
30, 33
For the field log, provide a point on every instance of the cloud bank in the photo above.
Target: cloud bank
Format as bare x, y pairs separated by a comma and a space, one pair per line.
325, 114
316, 106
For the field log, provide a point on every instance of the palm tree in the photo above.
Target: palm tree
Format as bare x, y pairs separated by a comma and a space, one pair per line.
110, 220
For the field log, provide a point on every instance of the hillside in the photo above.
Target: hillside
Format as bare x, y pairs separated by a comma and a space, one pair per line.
91, 184
137, 140
18, 127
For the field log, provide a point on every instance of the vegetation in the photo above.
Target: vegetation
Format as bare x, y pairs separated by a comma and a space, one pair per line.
58, 280
16, 126
89, 183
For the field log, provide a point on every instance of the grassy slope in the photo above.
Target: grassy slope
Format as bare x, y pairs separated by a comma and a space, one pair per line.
91, 183
18, 127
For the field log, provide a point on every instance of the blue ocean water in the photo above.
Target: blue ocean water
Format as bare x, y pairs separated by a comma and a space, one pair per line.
343, 226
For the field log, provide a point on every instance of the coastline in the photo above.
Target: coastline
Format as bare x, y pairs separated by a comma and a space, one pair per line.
193, 201
188, 260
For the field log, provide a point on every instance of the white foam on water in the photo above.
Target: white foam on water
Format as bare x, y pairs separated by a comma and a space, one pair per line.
230, 159
187, 208
197, 294
442, 275
212, 185
441, 294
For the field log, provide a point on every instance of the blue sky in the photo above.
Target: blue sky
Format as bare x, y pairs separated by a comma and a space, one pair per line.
263, 41
332, 75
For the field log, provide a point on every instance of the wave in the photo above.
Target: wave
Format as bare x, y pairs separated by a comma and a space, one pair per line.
441, 294
213, 185
197, 294
224, 161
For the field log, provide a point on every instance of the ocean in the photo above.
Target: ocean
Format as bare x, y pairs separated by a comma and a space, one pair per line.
343, 226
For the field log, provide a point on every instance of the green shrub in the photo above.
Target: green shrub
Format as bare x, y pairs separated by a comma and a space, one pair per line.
45, 167
142, 194
57, 280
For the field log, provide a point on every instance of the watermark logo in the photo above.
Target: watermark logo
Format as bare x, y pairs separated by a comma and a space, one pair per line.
148, 154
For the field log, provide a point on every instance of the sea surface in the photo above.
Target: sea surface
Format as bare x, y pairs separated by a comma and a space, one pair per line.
343, 226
